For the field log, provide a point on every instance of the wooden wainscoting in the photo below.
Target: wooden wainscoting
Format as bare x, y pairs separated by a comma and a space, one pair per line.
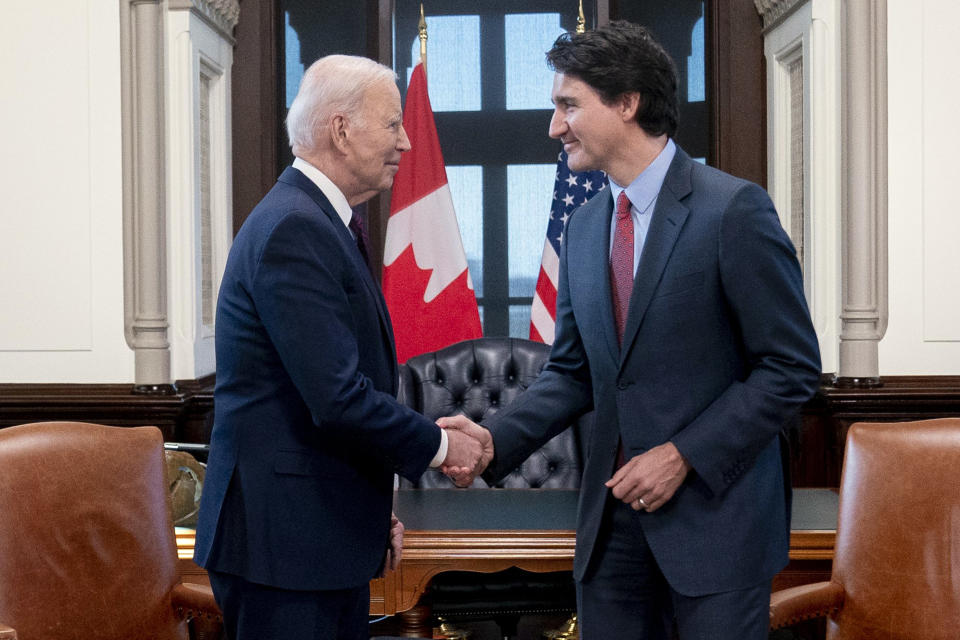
185, 416
816, 438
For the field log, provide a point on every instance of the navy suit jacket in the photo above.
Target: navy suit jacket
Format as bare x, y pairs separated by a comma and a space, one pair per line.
718, 354
307, 432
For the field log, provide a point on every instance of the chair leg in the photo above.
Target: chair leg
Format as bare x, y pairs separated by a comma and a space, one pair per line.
448, 631
567, 631
415, 622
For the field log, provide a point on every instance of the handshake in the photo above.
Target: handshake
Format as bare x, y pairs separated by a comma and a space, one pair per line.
469, 449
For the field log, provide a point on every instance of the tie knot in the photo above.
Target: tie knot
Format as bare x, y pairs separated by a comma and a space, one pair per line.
623, 205
356, 224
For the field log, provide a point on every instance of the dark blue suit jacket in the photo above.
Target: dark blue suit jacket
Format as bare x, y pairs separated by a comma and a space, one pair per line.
307, 432
718, 354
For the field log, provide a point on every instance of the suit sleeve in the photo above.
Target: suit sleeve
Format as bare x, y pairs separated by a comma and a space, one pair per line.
300, 290
763, 288
560, 394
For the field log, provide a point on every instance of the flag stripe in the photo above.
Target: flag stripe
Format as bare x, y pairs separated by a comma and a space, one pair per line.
547, 293
550, 263
541, 322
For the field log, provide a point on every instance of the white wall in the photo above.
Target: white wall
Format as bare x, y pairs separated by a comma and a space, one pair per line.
61, 262
923, 335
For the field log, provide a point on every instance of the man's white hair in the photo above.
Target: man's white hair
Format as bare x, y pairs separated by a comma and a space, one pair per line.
332, 84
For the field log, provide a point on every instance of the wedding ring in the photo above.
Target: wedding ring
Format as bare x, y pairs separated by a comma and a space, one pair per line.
641, 503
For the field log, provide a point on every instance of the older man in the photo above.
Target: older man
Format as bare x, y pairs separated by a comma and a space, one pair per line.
295, 517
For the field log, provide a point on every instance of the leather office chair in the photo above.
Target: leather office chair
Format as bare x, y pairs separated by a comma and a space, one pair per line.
87, 545
476, 378
896, 566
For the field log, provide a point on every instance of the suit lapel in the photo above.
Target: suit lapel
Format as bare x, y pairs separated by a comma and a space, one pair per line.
594, 262
296, 178
669, 215
602, 248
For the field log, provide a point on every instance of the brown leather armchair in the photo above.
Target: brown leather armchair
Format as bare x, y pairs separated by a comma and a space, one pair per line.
87, 545
896, 566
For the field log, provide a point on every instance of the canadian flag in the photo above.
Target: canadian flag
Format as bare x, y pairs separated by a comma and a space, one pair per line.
426, 282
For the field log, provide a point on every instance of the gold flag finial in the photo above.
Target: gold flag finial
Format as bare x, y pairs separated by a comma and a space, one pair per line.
422, 29
581, 23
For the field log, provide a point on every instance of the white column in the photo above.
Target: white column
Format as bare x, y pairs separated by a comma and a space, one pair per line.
144, 189
864, 220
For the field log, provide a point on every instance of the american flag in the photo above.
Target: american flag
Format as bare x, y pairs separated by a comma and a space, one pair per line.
569, 192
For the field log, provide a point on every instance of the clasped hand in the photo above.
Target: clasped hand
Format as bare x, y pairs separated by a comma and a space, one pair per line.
469, 449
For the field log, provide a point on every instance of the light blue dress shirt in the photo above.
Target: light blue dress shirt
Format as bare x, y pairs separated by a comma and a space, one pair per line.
642, 192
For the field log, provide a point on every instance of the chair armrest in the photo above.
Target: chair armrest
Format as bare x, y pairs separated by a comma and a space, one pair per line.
6, 633
793, 605
194, 601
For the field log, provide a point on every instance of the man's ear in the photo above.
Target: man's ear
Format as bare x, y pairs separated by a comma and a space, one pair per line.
339, 131
629, 104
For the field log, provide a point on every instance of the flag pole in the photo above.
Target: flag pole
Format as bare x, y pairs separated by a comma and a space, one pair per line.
581, 23
422, 34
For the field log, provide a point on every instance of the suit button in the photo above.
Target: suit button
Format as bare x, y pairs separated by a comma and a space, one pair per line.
622, 385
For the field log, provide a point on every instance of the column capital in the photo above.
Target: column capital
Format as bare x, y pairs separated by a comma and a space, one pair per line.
774, 12
222, 15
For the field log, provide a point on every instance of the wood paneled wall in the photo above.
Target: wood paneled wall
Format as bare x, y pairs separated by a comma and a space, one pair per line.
816, 437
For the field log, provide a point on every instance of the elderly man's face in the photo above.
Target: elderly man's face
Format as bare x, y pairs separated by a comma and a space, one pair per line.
377, 141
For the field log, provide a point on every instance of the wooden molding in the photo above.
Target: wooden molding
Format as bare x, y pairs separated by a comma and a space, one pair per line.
186, 416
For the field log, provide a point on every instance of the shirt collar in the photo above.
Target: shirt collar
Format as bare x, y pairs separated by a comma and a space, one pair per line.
326, 186
644, 189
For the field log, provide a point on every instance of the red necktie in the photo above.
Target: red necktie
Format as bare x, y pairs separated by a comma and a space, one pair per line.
621, 264
621, 277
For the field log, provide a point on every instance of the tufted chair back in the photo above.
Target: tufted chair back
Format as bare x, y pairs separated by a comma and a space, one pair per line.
476, 378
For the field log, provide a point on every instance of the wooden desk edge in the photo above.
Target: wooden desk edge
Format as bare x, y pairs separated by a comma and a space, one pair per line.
427, 553
812, 544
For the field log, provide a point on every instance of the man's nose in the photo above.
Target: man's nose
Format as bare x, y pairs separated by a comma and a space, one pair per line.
403, 144
557, 125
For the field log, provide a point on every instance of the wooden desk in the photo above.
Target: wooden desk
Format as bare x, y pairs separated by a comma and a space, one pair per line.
533, 529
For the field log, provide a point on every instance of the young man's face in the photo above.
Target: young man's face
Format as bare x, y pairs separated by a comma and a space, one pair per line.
591, 131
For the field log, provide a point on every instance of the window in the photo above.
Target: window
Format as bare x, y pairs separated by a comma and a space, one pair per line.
490, 91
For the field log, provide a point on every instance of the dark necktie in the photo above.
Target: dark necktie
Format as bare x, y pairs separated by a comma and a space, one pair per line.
360, 233
621, 264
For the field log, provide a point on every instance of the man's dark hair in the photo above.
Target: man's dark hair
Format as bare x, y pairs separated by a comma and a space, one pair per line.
619, 58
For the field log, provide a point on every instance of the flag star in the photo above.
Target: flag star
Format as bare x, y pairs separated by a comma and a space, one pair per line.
554, 195
588, 186
568, 200
585, 200
572, 180
564, 218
